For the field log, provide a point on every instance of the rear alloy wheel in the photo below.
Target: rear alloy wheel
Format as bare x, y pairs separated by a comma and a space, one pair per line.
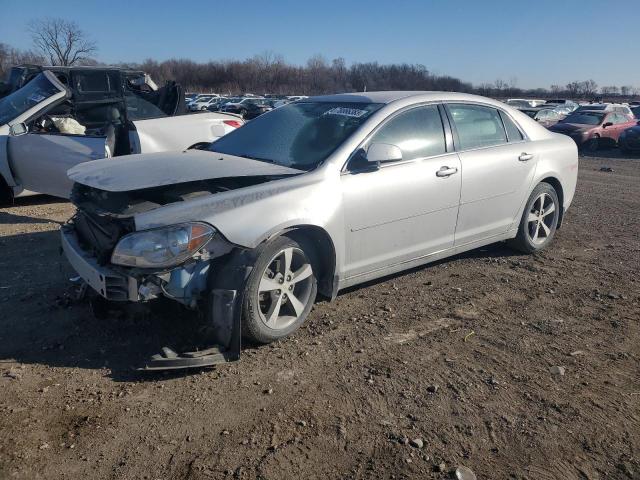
279, 293
539, 220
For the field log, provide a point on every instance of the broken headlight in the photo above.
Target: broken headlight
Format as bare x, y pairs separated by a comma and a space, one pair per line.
162, 247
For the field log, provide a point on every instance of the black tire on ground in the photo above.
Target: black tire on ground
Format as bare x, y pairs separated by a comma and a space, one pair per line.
6, 194
254, 328
592, 145
524, 240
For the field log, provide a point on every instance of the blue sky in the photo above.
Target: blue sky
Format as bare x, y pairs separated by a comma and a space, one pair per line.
539, 42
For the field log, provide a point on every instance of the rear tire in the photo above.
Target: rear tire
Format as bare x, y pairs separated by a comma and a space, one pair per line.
280, 291
539, 220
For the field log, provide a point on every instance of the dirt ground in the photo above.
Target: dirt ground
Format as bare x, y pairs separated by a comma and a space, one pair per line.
410, 377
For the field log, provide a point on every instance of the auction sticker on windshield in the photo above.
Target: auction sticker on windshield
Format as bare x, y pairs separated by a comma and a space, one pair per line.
347, 112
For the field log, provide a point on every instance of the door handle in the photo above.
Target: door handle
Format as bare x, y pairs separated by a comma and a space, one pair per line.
446, 171
525, 157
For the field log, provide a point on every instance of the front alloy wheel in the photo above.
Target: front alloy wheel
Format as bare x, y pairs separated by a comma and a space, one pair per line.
280, 291
285, 288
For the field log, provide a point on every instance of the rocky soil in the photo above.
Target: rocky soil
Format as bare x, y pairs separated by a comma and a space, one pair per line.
514, 366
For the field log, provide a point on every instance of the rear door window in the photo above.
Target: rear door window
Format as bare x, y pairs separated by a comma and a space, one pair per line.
477, 126
417, 132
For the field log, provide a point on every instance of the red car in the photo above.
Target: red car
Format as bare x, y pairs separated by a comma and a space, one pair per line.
592, 129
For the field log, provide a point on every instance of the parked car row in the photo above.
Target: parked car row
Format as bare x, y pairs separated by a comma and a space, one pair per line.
590, 125
248, 106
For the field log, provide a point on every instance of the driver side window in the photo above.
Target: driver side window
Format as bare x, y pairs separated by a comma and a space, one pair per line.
417, 132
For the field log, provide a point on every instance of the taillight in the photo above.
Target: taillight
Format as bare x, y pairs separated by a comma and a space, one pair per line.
233, 123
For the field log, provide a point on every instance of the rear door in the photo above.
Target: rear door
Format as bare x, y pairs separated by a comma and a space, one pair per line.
39, 162
498, 166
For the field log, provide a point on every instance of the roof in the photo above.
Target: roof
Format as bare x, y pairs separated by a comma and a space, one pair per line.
62, 68
392, 96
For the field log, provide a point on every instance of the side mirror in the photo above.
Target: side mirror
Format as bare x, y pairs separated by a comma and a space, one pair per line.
18, 129
608, 124
383, 152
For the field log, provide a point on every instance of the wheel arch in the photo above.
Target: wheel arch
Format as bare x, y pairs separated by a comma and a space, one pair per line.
557, 186
324, 253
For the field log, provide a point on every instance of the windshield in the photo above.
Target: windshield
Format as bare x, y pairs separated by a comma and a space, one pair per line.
636, 111
300, 135
594, 107
205, 98
585, 118
34, 92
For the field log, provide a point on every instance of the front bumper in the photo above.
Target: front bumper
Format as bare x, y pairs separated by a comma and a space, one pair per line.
225, 307
106, 282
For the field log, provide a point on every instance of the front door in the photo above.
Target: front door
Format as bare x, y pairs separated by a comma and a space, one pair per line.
498, 166
405, 209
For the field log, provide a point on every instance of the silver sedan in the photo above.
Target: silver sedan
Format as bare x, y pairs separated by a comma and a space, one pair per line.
316, 196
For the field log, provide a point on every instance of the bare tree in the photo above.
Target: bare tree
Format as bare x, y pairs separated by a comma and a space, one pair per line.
588, 88
573, 88
62, 41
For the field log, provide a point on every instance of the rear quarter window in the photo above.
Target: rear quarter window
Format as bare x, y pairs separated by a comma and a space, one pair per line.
513, 132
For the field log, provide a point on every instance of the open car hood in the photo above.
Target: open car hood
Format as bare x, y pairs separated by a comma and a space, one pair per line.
137, 172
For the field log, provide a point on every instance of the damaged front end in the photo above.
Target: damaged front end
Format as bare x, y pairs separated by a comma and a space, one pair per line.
190, 263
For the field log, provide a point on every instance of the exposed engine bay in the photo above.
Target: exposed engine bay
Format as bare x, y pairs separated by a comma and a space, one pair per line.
122, 204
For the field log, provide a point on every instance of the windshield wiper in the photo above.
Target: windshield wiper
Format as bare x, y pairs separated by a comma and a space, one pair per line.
250, 157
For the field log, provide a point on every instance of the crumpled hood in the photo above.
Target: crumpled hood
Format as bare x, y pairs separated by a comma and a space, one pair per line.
136, 172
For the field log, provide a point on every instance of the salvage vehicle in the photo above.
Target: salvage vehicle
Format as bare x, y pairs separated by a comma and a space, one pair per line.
311, 198
593, 129
58, 117
525, 102
201, 102
606, 107
544, 116
247, 108
629, 139
562, 102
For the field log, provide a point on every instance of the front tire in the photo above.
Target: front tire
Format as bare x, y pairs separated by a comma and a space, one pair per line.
539, 220
592, 145
279, 293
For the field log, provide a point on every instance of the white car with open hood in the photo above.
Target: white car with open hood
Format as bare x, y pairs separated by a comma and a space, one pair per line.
63, 116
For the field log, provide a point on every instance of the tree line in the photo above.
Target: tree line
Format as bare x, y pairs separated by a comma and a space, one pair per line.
62, 42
